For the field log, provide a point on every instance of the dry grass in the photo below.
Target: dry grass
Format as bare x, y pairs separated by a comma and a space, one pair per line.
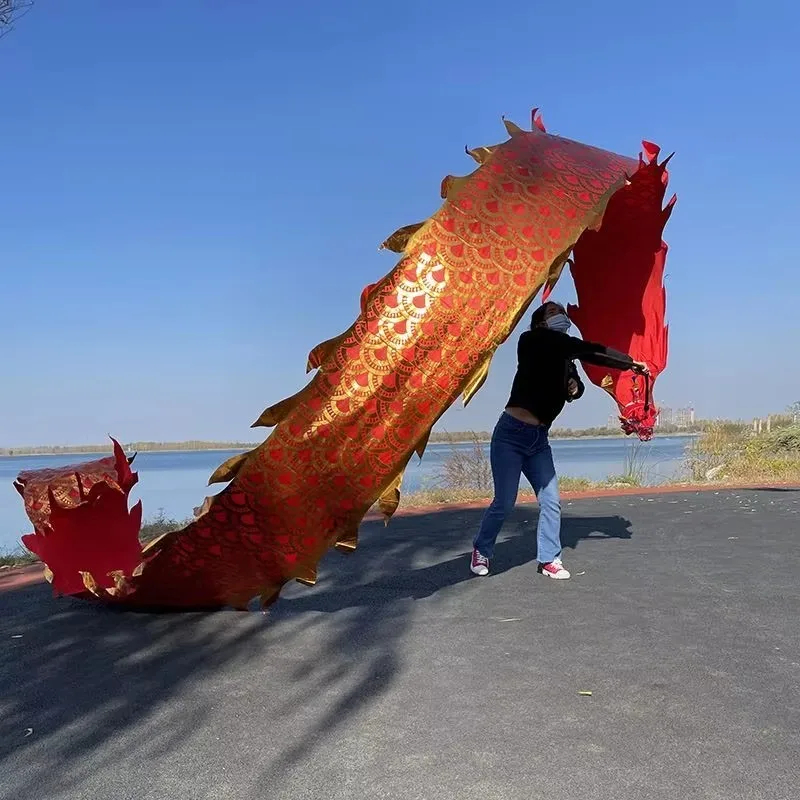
727, 452
17, 558
467, 469
466, 476
569, 484
159, 525
441, 495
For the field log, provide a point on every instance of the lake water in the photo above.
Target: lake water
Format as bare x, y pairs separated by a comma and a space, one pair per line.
176, 482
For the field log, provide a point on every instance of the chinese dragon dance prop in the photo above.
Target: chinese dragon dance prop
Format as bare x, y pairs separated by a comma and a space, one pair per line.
426, 334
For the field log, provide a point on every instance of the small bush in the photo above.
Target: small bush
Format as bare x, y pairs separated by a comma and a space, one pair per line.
18, 558
467, 469
569, 484
159, 525
635, 469
467, 475
785, 440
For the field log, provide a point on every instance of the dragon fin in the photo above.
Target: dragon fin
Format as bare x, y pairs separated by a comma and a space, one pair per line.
553, 276
479, 154
390, 498
307, 576
348, 540
398, 241
537, 123
422, 444
227, 471
269, 594
274, 414
204, 507
512, 127
477, 379
322, 351
452, 184
90, 583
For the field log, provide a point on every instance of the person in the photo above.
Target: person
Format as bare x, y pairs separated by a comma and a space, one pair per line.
545, 380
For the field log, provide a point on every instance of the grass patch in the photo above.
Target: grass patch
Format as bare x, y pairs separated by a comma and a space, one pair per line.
17, 558
620, 482
441, 494
466, 476
569, 484
159, 525
734, 453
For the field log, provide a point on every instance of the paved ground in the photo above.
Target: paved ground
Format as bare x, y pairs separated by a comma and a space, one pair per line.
399, 677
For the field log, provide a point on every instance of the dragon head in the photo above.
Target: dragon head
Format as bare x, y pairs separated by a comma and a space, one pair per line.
618, 270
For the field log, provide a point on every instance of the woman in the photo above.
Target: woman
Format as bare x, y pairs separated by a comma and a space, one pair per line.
546, 378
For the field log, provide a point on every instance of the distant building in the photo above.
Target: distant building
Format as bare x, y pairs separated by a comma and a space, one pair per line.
684, 417
666, 416
678, 417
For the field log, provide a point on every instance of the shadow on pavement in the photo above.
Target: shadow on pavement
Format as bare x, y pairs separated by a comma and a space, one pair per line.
94, 688
82, 673
371, 594
400, 577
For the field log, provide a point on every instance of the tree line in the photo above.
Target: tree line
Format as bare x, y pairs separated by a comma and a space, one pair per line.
130, 447
437, 437
453, 437
440, 437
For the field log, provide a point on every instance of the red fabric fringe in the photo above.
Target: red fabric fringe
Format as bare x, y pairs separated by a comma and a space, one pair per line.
618, 272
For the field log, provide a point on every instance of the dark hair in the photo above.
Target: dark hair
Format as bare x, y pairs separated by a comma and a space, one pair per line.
537, 318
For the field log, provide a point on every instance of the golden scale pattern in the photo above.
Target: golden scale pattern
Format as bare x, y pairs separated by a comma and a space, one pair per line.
426, 334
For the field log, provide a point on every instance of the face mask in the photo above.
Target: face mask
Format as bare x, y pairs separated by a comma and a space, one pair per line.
559, 322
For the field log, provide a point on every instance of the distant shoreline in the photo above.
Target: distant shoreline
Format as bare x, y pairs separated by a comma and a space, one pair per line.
219, 447
105, 453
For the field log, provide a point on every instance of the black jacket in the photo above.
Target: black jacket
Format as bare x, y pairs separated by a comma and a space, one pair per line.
545, 364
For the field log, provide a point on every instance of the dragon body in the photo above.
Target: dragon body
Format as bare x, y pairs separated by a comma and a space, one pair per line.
425, 335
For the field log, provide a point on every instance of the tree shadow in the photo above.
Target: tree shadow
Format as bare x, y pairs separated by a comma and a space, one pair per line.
95, 689
373, 591
81, 675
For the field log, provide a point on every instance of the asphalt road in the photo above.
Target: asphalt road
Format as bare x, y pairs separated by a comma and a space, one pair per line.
400, 676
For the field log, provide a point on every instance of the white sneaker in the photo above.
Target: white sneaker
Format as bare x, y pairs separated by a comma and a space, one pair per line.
555, 569
480, 564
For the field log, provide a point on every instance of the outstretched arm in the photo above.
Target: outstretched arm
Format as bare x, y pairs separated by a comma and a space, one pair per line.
602, 356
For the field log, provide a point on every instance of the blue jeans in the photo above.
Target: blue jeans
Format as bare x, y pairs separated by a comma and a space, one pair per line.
519, 448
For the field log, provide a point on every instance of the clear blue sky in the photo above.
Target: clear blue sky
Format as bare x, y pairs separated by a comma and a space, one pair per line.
193, 192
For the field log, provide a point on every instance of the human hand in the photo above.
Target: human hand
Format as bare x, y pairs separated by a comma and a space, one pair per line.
640, 368
572, 387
